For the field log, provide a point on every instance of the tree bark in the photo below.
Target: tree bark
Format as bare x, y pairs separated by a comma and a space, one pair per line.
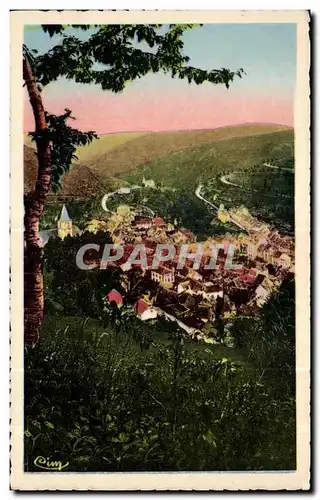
34, 204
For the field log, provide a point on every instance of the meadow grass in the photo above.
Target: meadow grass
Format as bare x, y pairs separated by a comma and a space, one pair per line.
96, 402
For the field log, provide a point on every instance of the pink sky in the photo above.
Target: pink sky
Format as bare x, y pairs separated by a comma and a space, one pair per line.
155, 102
146, 111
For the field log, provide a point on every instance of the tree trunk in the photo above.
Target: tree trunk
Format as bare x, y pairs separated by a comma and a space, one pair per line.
33, 276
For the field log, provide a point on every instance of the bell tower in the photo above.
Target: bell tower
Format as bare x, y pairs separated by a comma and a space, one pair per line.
64, 224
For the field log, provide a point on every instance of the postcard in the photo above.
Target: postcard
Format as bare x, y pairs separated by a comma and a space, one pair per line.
160, 242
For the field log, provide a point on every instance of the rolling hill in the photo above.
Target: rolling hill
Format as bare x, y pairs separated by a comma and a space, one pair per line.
98, 147
207, 160
151, 146
79, 182
176, 158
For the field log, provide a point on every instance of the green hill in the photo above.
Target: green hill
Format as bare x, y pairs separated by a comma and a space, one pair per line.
268, 193
181, 160
105, 143
80, 182
175, 158
207, 160
151, 146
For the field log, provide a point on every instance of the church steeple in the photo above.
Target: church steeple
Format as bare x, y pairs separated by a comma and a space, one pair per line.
64, 224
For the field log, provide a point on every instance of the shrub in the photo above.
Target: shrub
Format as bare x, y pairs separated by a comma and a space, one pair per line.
102, 401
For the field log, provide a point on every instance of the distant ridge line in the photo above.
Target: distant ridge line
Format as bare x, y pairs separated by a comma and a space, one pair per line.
245, 124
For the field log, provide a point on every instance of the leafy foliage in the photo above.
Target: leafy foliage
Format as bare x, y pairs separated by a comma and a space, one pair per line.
134, 402
180, 206
64, 141
81, 211
114, 47
270, 340
140, 396
71, 290
141, 404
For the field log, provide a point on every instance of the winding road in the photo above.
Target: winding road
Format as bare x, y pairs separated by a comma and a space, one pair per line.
199, 195
124, 191
225, 180
278, 168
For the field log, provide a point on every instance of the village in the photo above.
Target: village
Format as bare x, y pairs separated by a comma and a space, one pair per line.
195, 296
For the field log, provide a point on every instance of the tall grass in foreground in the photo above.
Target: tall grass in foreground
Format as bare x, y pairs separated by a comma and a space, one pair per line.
102, 402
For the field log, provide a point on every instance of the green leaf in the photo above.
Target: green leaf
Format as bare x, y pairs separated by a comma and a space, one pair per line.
49, 424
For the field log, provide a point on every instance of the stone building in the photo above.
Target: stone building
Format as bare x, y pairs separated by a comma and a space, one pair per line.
64, 228
64, 224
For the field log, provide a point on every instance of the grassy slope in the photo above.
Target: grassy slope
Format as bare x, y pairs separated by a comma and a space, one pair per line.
205, 160
171, 157
152, 146
55, 324
105, 143
80, 182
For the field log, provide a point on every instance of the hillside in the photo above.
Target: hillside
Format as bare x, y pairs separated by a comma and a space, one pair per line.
79, 182
185, 167
151, 146
98, 147
176, 158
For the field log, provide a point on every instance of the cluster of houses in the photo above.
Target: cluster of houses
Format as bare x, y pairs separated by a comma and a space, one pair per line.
142, 307
141, 222
268, 248
242, 216
194, 297
155, 229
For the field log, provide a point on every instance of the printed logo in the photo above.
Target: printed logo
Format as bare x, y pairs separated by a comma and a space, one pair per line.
47, 464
